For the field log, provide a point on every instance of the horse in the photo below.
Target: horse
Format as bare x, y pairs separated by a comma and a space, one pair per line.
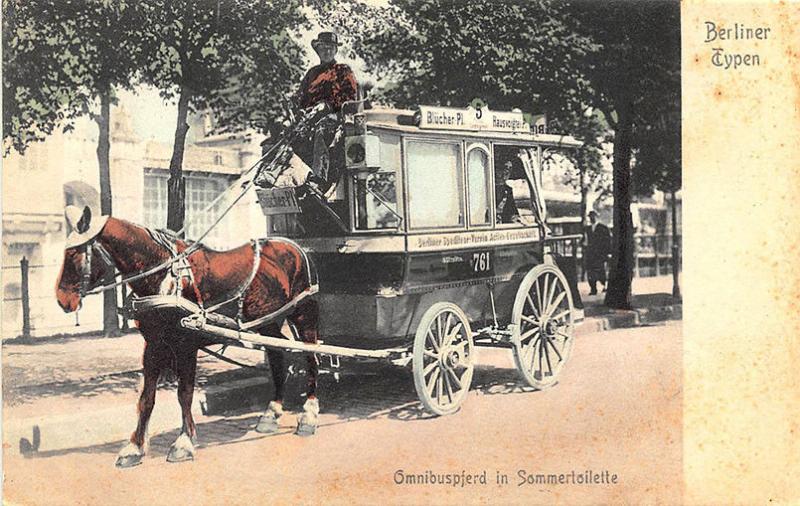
283, 274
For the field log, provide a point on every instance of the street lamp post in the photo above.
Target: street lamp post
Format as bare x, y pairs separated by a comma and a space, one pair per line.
676, 250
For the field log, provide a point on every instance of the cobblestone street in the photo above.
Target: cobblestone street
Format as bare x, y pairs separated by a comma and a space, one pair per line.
617, 408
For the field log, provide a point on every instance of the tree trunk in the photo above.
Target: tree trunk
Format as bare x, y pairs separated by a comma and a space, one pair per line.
618, 294
110, 319
176, 185
584, 198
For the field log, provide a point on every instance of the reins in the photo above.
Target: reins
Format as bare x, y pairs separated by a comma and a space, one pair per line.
281, 146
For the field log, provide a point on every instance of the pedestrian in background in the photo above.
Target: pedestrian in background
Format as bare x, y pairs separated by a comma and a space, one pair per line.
598, 246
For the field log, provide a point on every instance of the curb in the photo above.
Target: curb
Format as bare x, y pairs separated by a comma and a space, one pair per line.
621, 319
71, 431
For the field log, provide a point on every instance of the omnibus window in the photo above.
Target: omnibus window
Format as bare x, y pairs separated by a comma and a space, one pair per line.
376, 193
478, 177
435, 191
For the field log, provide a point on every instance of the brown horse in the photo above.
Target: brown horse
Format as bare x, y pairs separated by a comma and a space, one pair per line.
282, 274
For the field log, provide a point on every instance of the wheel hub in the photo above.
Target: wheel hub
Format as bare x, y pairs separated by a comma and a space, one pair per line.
450, 357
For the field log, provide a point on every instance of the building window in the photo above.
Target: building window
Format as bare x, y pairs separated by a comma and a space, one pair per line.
479, 186
201, 190
435, 186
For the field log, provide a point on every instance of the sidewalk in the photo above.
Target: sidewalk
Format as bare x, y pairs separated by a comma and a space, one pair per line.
49, 384
652, 301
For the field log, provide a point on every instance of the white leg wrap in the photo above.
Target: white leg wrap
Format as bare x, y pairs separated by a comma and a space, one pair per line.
308, 420
275, 409
311, 406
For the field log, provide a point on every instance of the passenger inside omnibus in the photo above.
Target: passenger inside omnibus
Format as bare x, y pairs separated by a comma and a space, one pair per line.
506, 207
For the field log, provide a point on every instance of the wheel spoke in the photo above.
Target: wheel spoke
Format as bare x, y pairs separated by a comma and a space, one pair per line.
555, 348
541, 370
539, 296
453, 334
565, 336
532, 351
560, 315
530, 320
448, 388
533, 306
456, 379
430, 354
433, 340
431, 385
439, 388
550, 294
547, 356
528, 334
429, 368
554, 305
439, 331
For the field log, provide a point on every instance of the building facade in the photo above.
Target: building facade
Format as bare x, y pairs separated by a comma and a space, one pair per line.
64, 170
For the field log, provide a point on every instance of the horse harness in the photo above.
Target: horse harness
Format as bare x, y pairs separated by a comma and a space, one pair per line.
184, 276
90, 247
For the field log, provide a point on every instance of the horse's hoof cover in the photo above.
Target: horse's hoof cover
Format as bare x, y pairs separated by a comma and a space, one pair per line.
304, 430
181, 450
267, 425
128, 461
179, 455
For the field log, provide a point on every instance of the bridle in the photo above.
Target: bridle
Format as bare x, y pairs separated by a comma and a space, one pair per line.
90, 248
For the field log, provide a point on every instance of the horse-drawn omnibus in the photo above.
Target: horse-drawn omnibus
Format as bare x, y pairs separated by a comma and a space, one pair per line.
418, 256
432, 241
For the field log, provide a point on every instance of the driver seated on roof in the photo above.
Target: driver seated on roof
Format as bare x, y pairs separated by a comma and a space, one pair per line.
332, 84
506, 207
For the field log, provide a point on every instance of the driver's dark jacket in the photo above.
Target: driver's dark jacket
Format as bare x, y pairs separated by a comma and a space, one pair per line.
333, 83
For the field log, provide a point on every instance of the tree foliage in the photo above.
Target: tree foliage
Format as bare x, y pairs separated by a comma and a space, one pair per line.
445, 52
232, 57
58, 57
658, 160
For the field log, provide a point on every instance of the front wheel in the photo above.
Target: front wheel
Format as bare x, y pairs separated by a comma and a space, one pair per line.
543, 325
443, 358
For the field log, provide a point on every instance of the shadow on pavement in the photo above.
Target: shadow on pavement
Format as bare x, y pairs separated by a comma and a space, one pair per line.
368, 392
120, 383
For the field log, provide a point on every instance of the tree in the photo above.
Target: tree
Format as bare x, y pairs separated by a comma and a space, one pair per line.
60, 61
658, 167
588, 174
635, 77
620, 57
233, 57
443, 52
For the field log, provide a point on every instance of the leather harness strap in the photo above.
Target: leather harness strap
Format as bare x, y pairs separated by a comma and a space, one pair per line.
238, 295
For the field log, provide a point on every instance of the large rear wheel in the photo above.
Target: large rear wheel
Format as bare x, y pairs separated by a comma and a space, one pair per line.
543, 325
444, 358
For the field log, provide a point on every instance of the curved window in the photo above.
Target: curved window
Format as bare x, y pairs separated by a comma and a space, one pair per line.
479, 183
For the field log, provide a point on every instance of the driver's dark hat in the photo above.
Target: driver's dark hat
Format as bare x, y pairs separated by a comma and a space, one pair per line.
325, 38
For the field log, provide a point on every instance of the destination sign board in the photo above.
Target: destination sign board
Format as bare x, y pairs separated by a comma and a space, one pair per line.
278, 201
473, 119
